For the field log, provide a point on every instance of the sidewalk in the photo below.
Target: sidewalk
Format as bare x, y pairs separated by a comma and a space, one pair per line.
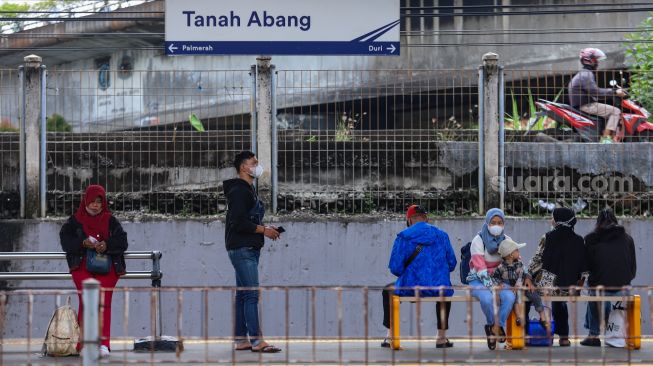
332, 352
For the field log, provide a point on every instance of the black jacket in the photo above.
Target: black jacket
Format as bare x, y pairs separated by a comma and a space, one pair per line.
244, 213
565, 255
72, 235
611, 257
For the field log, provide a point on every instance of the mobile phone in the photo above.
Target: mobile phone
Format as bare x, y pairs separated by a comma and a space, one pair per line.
280, 229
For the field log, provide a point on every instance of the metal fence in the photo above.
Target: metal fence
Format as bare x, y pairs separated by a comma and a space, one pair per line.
348, 141
365, 141
548, 164
322, 324
132, 133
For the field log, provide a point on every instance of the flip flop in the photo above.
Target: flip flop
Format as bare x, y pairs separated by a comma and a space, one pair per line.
267, 349
248, 348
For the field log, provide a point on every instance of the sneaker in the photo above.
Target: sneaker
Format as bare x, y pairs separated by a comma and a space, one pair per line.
104, 352
606, 140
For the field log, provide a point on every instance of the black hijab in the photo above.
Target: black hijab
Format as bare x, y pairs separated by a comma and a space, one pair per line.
564, 250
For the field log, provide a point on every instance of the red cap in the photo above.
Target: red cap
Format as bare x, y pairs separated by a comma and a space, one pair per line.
415, 210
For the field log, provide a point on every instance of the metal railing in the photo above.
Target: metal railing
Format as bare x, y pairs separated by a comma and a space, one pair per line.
155, 274
312, 324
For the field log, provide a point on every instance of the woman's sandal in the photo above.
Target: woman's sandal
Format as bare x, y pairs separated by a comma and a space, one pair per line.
267, 349
491, 340
243, 348
502, 335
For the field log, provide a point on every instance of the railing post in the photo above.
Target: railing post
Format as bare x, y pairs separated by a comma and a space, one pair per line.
91, 301
32, 136
491, 153
264, 126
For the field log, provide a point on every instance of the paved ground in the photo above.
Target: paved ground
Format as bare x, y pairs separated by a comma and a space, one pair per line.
218, 352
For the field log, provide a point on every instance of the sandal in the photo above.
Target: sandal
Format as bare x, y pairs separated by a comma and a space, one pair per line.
267, 349
502, 335
241, 348
518, 321
491, 340
445, 344
386, 343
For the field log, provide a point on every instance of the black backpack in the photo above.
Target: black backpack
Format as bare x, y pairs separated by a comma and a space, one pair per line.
465, 258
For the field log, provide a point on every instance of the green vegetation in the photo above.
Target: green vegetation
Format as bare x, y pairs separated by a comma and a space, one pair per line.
639, 56
56, 123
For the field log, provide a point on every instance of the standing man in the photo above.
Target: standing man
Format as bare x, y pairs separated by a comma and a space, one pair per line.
244, 237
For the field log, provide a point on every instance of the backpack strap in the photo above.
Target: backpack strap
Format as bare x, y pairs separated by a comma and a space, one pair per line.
410, 259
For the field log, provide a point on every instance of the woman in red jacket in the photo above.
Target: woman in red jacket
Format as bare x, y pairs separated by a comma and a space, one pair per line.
93, 229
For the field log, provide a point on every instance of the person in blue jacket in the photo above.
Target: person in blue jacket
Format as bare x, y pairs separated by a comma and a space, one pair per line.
433, 259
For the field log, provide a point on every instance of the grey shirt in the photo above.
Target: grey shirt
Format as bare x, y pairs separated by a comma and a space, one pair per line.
583, 89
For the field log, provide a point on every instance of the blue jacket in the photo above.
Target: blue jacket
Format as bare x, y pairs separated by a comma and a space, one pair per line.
432, 265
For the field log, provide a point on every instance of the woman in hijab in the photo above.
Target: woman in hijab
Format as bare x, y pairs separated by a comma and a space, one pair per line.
561, 252
93, 231
485, 259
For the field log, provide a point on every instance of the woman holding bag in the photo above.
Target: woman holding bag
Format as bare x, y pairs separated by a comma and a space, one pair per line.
560, 257
95, 243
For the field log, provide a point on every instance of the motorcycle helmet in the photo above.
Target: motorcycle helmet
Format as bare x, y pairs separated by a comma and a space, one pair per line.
591, 57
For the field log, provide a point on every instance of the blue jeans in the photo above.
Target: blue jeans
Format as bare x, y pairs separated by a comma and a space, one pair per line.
592, 318
484, 295
245, 262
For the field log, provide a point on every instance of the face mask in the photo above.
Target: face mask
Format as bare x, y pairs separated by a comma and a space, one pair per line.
495, 230
256, 172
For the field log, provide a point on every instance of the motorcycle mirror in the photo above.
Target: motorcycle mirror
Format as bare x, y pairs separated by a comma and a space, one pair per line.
613, 83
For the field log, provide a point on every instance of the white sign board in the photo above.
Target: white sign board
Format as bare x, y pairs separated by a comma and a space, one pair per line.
282, 27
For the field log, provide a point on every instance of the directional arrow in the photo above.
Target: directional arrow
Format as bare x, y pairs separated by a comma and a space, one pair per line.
391, 48
172, 48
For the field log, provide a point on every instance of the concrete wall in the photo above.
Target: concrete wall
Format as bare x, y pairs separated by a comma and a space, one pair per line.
322, 252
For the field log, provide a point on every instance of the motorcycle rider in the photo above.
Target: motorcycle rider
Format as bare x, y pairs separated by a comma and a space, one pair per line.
584, 93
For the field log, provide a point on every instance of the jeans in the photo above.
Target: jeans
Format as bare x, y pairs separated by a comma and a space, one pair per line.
245, 262
484, 295
592, 319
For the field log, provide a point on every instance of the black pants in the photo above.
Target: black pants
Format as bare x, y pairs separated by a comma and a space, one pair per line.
443, 321
560, 317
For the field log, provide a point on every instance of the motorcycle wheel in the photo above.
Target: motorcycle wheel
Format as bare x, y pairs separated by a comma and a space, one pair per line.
646, 136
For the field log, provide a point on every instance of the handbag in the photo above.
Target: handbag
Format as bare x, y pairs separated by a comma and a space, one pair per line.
615, 329
545, 280
97, 263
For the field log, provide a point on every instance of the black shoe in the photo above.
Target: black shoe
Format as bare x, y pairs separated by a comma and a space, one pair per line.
491, 340
445, 344
591, 342
386, 343
564, 342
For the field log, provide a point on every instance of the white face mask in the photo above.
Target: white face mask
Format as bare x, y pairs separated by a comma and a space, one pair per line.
256, 172
495, 230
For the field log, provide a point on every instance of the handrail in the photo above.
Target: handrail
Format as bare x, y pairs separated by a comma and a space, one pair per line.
155, 274
61, 255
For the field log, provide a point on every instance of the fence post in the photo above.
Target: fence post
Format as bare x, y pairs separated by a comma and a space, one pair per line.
91, 301
491, 152
264, 126
32, 136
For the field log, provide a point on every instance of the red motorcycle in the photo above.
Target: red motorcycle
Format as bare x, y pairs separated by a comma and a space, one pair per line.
633, 125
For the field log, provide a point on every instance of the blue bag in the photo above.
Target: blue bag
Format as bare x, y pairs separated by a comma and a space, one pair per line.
97, 263
537, 336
